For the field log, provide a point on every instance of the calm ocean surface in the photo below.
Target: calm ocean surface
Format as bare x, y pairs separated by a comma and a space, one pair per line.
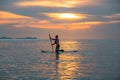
95, 60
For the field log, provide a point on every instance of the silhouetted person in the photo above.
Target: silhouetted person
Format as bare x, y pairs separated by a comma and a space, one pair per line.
56, 42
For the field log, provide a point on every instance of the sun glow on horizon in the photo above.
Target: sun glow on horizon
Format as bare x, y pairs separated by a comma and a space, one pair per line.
66, 16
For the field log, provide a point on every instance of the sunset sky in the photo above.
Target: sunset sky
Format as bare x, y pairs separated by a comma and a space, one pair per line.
71, 19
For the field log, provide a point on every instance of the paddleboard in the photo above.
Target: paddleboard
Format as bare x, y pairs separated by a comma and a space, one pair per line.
61, 51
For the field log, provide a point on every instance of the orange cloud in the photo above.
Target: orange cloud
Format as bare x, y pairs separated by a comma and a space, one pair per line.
58, 3
11, 18
8, 18
66, 26
83, 25
9, 15
10, 21
47, 3
43, 21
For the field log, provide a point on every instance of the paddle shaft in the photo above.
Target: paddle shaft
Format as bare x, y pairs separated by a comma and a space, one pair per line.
51, 43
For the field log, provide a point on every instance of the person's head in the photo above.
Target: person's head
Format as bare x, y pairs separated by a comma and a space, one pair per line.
56, 36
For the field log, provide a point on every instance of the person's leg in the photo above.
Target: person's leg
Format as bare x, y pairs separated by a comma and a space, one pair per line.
57, 48
57, 52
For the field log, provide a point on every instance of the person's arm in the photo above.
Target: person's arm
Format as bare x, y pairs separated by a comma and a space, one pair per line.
52, 38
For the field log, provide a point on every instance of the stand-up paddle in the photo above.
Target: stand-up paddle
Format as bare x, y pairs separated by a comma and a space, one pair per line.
51, 43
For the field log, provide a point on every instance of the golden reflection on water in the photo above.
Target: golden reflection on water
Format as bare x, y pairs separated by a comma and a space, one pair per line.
68, 67
65, 69
69, 45
69, 64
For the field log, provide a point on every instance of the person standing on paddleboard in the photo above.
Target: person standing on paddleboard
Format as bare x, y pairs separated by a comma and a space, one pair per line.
56, 42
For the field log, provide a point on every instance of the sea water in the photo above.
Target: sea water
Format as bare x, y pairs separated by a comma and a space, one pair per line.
22, 59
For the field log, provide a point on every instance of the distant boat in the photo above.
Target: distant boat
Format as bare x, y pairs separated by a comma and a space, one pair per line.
27, 38
6, 38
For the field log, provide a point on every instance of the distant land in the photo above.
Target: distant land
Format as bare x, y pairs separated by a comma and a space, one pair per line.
6, 38
27, 38
18, 38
